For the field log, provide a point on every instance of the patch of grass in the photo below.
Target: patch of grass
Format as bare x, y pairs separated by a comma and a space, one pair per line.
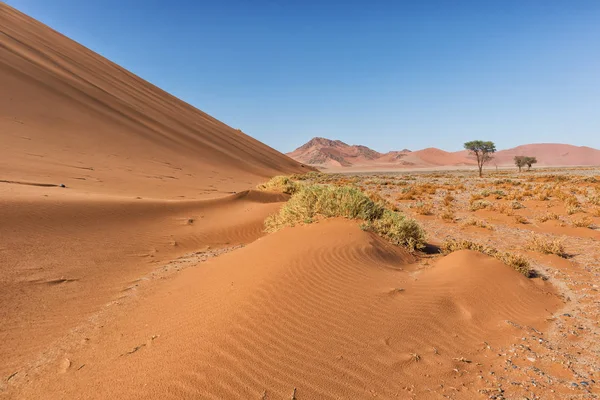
314, 202
479, 205
281, 184
448, 199
423, 208
548, 216
515, 261
515, 205
448, 215
519, 219
573, 209
540, 244
397, 229
478, 223
584, 222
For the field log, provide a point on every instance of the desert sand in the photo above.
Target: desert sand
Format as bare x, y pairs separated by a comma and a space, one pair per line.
134, 262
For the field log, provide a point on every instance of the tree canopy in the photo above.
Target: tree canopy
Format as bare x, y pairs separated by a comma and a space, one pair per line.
482, 150
521, 161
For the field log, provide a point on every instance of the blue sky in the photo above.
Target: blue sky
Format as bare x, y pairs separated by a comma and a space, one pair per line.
386, 74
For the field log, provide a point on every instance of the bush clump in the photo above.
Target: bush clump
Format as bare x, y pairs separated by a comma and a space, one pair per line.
282, 184
515, 261
313, 202
538, 243
397, 229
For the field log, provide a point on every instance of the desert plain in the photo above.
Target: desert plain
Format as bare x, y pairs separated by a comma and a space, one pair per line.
150, 251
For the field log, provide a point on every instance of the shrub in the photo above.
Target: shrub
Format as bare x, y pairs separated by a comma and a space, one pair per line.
515, 205
519, 219
448, 199
423, 208
538, 243
477, 222
548, 217
282, 184
479, 205
313, 202
397, 229
585, 222
517, 262
448, 215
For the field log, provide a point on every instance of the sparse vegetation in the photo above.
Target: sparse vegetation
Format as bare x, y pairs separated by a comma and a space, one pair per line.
517, 262
478, 223
314, 202
540, 244
281, 184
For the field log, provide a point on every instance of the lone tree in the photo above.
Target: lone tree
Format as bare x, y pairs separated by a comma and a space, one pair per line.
521, 161
483, 152
530, 161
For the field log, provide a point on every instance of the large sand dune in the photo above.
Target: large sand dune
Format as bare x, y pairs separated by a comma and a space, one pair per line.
69, 116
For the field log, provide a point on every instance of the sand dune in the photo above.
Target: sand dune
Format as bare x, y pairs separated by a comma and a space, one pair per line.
64, 258
327, 309
69, 116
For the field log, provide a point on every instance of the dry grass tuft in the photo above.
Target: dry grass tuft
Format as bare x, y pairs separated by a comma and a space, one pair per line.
547, 217
448, 199
479, 205
448, 215
584, 222
545, 246
480, 223
281, 184
423, 208
515, 261
519, 219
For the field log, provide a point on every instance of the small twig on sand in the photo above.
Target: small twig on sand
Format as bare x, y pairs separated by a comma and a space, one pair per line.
136, 348
294, 394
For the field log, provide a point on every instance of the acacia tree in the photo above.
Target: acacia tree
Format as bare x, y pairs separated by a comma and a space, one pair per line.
530, 161
482, 151
520, 162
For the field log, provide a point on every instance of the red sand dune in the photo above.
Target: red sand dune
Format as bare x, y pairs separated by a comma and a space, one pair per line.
335, 154
69, 116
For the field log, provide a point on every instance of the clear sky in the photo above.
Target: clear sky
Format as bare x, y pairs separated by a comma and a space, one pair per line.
386, 74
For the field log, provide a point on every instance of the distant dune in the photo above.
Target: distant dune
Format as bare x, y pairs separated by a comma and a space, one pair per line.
325, 153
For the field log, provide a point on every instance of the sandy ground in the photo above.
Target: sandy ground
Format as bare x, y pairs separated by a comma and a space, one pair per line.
134, 264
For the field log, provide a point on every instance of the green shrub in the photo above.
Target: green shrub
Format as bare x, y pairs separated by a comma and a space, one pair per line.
315, 202
397, 229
